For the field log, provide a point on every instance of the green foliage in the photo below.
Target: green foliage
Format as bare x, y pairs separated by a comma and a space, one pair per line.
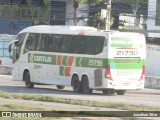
45, 98
24, 12
46, 2
99, 22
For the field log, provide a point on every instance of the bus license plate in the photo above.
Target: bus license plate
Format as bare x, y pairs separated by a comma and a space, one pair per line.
126, 84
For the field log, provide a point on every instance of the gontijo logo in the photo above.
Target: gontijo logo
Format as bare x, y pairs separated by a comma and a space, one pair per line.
40, 58
121, 42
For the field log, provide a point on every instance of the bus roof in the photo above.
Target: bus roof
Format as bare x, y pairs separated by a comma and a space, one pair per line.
57, 28
75, 30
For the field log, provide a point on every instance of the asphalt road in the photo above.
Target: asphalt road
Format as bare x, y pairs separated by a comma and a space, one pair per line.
150, 97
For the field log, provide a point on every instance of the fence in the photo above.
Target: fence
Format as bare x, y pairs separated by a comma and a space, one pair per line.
4, 42
15, 17
5, 62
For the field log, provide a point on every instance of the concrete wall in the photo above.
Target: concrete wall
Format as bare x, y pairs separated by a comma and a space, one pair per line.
153, 67
152, 82
153, 61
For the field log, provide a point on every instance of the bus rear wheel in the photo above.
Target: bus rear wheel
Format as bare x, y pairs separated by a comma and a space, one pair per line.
76, 84
121, 92
60, 86
27, 81
108, 92
85, 86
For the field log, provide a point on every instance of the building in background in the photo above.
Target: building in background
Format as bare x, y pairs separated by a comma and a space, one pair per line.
153, 15
153, 23
18, 14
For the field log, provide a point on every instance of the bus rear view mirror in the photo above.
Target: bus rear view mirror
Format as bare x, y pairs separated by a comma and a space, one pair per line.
9, 48
10, 45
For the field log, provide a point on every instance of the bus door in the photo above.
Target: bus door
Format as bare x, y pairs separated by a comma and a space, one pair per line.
34, 48
42, 60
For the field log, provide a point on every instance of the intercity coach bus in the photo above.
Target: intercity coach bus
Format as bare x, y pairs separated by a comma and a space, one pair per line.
82, 57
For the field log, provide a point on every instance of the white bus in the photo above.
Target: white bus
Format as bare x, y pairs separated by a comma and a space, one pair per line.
83, 57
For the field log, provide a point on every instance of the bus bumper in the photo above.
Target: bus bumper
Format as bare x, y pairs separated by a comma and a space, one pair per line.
125, 85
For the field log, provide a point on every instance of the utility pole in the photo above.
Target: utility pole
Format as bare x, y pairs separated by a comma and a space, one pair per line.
108, 13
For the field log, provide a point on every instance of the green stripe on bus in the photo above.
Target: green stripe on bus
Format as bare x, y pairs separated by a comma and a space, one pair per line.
88, 62
29, 55
61, 70
127, 66
130, 64
91, 62
64, 60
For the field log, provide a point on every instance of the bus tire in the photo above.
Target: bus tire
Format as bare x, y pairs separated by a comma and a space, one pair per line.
27, 81
60, 86
121, 92
108, 92
76, 84
85, 86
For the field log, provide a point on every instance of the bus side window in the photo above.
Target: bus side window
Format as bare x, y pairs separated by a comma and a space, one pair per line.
68, 46
50, 43
43, 42
36, 41
58, 42
18, 45
29, 46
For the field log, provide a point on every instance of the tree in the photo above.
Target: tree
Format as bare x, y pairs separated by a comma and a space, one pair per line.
76, 5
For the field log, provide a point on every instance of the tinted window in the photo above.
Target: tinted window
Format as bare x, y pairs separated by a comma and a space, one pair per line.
50, 43
68, 44
21, 38
32, 42
65, 43
88, 44
43, 42
58, 43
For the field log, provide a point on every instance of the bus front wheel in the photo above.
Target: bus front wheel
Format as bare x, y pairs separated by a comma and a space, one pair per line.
85, 86
27, 80
76, 84
121, 92
60, 86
